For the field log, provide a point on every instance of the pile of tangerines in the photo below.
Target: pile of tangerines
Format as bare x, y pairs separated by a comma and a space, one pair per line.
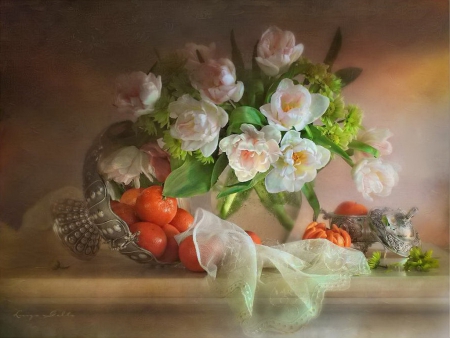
156, 220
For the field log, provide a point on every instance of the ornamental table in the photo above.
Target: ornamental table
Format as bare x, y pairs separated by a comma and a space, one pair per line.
112, 296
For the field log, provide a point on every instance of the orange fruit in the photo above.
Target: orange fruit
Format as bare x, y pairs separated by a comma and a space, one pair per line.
182, 220
170, 255
335, 235
188, 255
129, 197
125, 212
350, 208
151, 237
152, 206
255, 238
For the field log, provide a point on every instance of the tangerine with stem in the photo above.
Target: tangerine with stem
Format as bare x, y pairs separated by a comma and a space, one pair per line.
152, 206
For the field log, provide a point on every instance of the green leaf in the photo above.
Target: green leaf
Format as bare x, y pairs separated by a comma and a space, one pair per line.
162, 117
348, 75
152, 69
199, 56
146, 123
236, 56
420, 261
175, 163
173, 146
374, 261
190, 179
334, 49
219, 167
308, 191
361, 146
322, 140
201, 158
255, 93
241, 186
244, 114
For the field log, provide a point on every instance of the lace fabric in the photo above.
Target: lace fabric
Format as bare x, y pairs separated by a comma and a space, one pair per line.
276, 289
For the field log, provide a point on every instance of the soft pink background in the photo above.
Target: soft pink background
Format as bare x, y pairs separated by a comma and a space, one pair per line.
59, 59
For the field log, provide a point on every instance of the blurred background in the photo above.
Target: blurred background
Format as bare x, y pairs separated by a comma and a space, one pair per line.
59, 60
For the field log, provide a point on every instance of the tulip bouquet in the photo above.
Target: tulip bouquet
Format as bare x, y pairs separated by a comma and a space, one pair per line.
274, 122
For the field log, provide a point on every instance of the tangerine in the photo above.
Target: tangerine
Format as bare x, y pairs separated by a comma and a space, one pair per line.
188, 255
125, 212
182, 220
152, 206
129, 197
255, 238
151, 237
351, 208
170, 255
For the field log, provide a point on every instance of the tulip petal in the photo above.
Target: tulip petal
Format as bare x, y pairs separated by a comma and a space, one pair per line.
319, 104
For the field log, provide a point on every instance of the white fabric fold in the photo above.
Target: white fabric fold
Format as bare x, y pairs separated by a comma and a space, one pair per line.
276, 289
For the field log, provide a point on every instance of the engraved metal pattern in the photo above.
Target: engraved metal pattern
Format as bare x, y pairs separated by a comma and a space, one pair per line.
113, 229
389, 236
357, 227
74, 229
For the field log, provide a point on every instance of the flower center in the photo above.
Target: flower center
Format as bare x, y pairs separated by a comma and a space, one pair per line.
299, 157
247, 154
286, 106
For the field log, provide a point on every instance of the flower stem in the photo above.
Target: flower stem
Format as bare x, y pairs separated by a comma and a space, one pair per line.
226, 206
275, 208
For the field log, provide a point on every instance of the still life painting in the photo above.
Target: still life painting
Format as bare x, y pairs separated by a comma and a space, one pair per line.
224, 169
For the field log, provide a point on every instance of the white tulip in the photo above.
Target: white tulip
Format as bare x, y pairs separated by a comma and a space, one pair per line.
373, 177
198, 124
300, 160
252, 151
292, 106
277, 50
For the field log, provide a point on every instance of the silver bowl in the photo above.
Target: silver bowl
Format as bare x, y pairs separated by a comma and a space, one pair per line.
97, 217
357, 227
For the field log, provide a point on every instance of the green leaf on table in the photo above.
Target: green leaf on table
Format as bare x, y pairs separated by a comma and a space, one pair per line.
348, 75
420, 261
361, 146
374, 261
318, 138
310, 194
190, 179
335, 47
244, 114
236, 56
